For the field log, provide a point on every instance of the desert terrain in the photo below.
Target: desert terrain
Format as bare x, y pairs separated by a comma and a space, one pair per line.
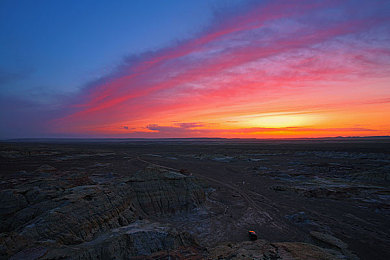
195, 199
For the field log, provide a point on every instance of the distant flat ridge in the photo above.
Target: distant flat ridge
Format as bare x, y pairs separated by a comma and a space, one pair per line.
196, 139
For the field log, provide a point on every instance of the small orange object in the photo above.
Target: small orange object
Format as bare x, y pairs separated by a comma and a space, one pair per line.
252, 235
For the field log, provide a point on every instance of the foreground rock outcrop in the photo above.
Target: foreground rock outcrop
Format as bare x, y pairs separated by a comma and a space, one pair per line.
263, 250
141, 238
58, 216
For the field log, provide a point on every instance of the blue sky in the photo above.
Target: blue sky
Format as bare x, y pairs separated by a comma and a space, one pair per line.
50, 48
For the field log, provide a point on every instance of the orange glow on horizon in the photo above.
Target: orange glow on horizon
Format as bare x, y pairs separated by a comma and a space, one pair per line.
267, 76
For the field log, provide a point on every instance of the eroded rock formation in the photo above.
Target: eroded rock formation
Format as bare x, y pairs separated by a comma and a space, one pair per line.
65, 218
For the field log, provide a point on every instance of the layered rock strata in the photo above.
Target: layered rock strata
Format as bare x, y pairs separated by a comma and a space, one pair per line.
58, 216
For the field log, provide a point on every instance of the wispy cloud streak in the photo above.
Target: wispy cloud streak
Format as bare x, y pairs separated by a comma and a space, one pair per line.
272, 56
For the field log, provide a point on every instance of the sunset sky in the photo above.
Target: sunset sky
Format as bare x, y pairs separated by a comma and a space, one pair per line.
202, 68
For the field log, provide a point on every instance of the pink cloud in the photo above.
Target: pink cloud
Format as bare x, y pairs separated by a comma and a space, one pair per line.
270, 54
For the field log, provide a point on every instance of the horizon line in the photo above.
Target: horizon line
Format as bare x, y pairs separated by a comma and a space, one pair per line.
183, 138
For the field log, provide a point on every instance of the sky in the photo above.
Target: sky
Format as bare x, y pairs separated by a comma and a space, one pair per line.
204, 68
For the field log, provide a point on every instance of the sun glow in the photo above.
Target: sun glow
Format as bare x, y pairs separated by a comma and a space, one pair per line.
276, 121
281, 121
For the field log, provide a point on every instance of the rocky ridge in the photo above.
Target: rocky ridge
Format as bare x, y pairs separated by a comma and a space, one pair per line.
57, 213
